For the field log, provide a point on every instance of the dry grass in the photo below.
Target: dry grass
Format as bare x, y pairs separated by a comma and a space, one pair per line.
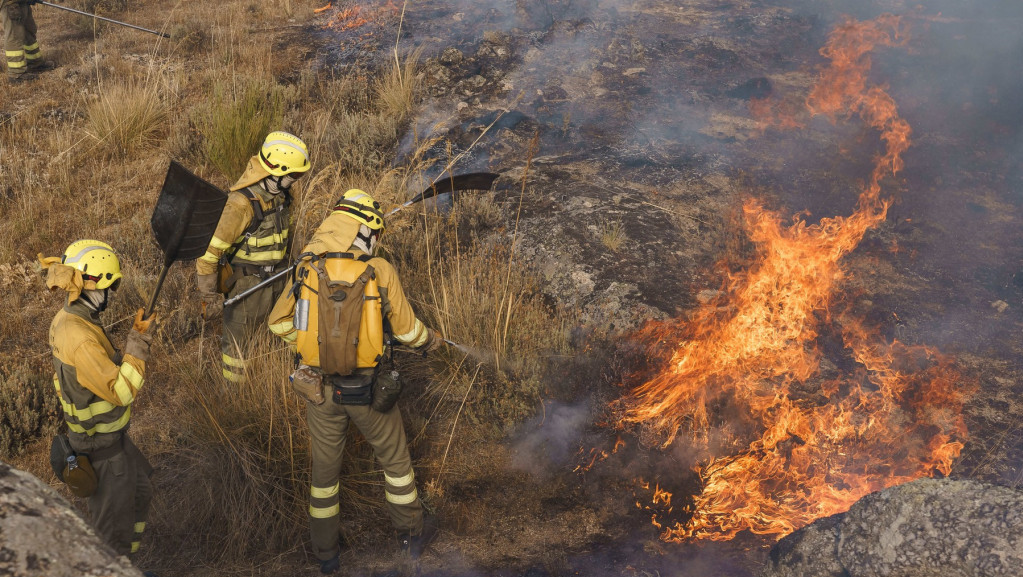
612, 234
232, 463
128, 114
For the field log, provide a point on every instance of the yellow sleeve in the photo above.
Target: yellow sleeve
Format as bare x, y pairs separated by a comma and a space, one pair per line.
282, 317
407, 328
233, 221
116, 384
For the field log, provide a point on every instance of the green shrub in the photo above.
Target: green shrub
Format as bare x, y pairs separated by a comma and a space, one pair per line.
239, 116
28, 409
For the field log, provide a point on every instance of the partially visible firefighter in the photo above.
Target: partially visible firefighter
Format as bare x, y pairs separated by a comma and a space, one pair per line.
251, 243
20, 44
340, 315
97, 385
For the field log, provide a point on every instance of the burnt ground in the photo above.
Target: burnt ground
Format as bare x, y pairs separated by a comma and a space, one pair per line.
643, 114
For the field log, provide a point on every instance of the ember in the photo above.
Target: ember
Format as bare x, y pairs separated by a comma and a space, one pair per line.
801, 456
355, 16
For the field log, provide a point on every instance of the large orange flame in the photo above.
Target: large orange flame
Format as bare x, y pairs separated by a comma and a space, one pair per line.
808, 445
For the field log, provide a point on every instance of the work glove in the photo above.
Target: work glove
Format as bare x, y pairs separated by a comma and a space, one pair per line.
433, 341
138, 344
142, 324
212, 301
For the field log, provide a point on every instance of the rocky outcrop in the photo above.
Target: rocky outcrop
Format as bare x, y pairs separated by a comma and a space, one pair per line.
925, 528
41, 534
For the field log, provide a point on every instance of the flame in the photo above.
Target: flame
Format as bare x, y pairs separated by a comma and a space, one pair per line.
809, 446
354, 16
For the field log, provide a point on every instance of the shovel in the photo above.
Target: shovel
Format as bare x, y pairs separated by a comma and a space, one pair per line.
184, 219
461, 182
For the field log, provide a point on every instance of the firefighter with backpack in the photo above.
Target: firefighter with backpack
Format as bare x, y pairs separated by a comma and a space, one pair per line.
341, 304
250, 244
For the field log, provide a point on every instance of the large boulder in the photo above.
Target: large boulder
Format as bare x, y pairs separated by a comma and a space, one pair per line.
925, 528
41, 534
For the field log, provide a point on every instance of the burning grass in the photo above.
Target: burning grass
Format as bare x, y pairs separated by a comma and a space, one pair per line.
792, 458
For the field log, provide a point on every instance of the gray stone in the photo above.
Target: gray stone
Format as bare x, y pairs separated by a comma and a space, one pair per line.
41, 534
925, 528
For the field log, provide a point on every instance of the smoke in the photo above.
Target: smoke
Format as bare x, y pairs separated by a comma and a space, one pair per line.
550, 442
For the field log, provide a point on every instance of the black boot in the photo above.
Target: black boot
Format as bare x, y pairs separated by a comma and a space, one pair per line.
414, 545
331, 565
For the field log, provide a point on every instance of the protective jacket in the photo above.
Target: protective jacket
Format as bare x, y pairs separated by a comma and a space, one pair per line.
96, 387
335, 235
95, 384
261, 239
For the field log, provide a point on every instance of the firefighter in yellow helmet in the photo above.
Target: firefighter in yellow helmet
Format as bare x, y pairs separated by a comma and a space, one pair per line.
250, 244
20, 44
339, 354
97, 385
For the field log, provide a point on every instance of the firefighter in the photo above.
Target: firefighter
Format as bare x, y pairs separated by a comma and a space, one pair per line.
97, 385
20, 44
344, 246
251, 244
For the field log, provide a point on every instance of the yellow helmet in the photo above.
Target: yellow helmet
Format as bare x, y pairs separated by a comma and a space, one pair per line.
361, 206
96, 260
283, 153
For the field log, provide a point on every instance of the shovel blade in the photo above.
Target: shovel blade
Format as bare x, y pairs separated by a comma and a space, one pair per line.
186, 214
459, 182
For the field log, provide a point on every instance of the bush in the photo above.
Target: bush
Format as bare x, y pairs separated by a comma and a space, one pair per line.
28, 409
240, 115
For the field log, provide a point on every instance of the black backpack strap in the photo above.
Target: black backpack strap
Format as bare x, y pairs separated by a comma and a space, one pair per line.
257, 210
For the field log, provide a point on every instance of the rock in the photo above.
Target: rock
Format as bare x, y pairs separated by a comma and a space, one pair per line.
41, 534
1000, 306
925, 528
451, 57
809, 552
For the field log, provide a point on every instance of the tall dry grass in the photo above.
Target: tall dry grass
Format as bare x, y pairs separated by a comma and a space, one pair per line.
232, 463
127, 114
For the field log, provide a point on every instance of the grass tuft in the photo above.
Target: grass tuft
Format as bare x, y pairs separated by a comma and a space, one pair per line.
128, 114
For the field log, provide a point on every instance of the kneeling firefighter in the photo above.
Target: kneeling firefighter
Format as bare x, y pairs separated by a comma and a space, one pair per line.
335, 315
96, 386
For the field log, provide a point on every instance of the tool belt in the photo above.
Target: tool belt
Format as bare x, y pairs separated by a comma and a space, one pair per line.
354, 389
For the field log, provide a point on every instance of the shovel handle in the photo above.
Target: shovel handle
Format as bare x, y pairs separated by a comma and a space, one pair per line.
156, 292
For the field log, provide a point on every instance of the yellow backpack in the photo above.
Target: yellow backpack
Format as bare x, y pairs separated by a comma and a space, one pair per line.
338, 317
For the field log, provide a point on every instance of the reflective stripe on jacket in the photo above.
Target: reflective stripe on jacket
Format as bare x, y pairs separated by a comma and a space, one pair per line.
267, 245
95, 391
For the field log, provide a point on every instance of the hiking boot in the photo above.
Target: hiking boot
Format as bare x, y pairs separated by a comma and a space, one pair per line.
40, 64
414, 545
331, 565
20, 77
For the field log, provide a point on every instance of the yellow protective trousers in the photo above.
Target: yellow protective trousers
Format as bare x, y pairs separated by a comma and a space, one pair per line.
120, 505
385, 433
242, 321
20, 45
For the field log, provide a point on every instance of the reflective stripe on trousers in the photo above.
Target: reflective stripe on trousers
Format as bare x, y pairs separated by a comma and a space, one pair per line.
385, 433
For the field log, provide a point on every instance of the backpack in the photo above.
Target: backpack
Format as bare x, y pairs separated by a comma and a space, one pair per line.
338, 314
